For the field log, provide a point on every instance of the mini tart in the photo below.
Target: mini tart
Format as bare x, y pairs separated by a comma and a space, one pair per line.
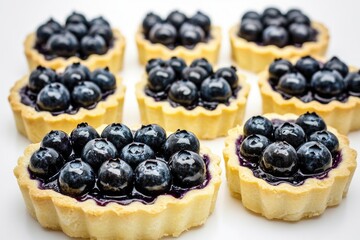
252, 57
167, 216
205, 124
209, 50
113, 58
35, 124
284, 201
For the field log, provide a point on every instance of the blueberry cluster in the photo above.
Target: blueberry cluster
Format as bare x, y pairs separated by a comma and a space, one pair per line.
119, 165
310, 79
272, 27
76, 87
288, 151
79, 37
191, 86
177, 29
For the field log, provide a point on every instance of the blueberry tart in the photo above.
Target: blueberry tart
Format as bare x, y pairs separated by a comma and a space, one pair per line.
262, 37
194, 97
93, 42
330, 88
116, 183
178, 35
46, 100
288, 167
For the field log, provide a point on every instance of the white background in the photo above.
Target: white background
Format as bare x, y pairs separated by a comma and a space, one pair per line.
230, 220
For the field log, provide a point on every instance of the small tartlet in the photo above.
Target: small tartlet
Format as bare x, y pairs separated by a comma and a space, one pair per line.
113, 58
284, 201
209, 50
252, 57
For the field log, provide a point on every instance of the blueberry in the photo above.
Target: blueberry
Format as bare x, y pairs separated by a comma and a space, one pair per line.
290, 133
99, 21
352, 82
314, 157
203, 63
163, 33
149, 21
253, 146
229, 74
336, 64
279, 159
46, 30
195, 74
104, 79
93, 44
85, 94
183, 92
293, 84
135, 153
275, 21
104, 31
115, 177
178, 65
63, 44
215, 89
81, 135
160, 78
271, 12
307, 66
53, 97
301, 19
327, 83
275, 35
78, 29
176, 18
40, 77
59, 141
152, 135
45, 162
187, 168
76, 178
251, 15
74, 74
202, 20
76, 17
327, 138
190, 35
278, 68
118, 134
97, 151
258, 125
250, 30
310, 123
292, 13
152, 177
300, 33
154, 62
181, 140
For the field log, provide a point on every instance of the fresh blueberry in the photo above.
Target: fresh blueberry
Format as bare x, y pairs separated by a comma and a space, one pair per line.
45, 162
97, 151
135, 153
300, 33
278, 68
293, 84
115, 177
292, 13
299, 18
336, 64
327, 138
76, 17
59, 141
93, 44
74, 74
195, 74
178, 65
202, 20
187, 168
81, 135
76, 178
327, 83
258, 125
290, 133
253, 146
279, 159
104, 31
163, 33
63, 44
160, 78
275, 35
280, 21
314, 157
152, 177
352, 82
85, 94
78, 29
229, 74
250, 30
149, 21
203, 63
176, 18
99, 21
310, 123
183, 92
181, 140
118, 134
41, 77
154, 62
46, 30
215, 89
104, 79
271, 12
53, 97
190, 35
152, 135
251, 15
307, 66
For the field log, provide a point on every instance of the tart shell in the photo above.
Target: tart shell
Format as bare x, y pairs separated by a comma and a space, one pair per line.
209, 50
205, 124
252, 57
167, 216
35, 124
113, 58
284, 201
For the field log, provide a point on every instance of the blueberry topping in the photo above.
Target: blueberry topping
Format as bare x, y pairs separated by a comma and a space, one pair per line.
160, 78
97, 151
118, 134
104, 31
99, 21
280, 21
336, 64
300, 33
327, 83
229, 74
135, 153
152, 135
278, 68
40, 77
314, 157
44, 32
149, 21
292, 83
327, 138
53, 97
258, 125
203, 63
310, 123
74, 74
297, 16
45, 162
251, 15
183, 92
93, 44
307, 66
176, 18
78, 29
81, 135
163, 33
275, 35
190, 35
253, 146
177, 64
215, 89
251, 30
291, 133
63, 44
195, 74
153, 63
104, 79
271, 12
352, 82
59, 141
76, 17
202, 20
85, 94
181, 140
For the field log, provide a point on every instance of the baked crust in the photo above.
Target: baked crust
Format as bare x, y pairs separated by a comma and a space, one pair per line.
167, 216
252, 57
284, 201
209, 50
205, 124
113, 58
34, 124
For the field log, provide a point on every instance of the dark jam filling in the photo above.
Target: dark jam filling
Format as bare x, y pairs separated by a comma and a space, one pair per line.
297, 179
28, 98
135, 196
163, 96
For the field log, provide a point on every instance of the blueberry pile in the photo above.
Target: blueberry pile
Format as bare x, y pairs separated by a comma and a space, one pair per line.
119, 165
177, 29
191, 86
272, 27
288, 151
67, 92
78, 37
310, 80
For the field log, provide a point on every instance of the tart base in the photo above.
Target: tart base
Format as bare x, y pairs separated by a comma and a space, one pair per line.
113, 58
284, 201
209, 50
252, 57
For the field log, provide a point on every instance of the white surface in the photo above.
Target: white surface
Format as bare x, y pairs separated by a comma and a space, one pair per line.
230, 219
